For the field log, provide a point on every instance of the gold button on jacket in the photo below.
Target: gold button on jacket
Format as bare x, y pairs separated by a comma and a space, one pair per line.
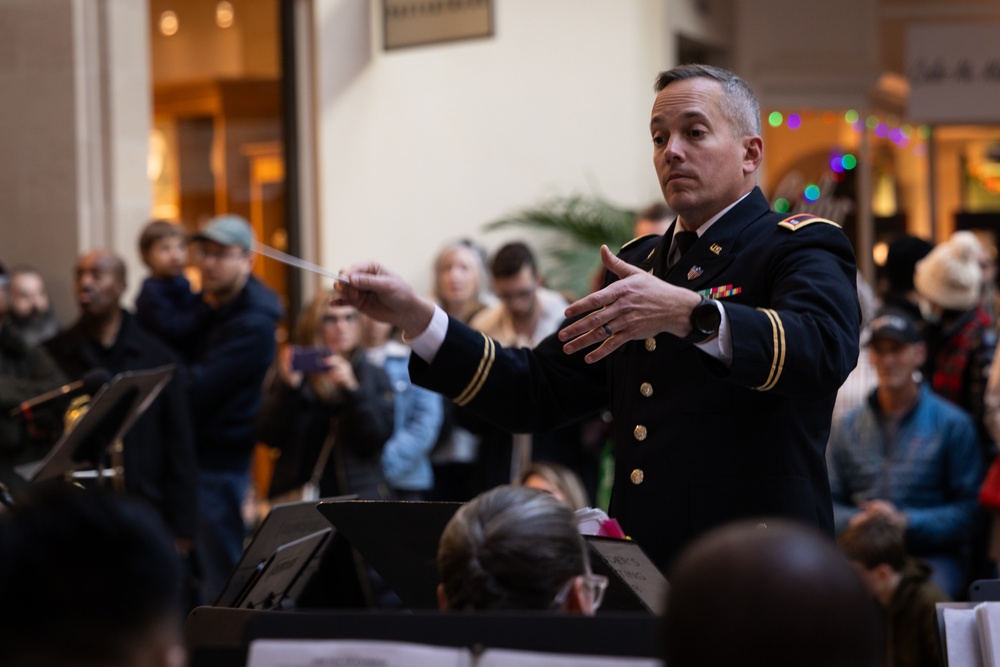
637, 476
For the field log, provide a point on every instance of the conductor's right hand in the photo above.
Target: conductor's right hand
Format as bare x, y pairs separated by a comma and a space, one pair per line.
385, 296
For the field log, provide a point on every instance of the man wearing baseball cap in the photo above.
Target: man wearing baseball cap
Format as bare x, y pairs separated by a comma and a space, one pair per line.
224, 381
908, 455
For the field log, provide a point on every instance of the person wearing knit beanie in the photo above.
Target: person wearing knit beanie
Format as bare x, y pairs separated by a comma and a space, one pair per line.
961, 341
950, 277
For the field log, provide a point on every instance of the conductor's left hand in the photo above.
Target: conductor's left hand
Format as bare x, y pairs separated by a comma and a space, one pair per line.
635, 307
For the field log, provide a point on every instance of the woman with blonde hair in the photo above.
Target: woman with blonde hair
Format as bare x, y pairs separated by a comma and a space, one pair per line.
558, 480
459, 288
460, 279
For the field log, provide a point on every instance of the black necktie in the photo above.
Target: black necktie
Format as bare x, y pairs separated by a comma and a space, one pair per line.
683, 242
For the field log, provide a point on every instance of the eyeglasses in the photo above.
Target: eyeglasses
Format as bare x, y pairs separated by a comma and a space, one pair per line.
594, 584
228, 253
519, 295
349, 318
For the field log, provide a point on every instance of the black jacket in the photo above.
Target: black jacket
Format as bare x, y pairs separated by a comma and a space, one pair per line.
160, 463
25, 372
224, 381
297, 422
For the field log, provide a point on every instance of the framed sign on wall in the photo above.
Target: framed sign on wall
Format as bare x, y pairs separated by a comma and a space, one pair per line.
416, 22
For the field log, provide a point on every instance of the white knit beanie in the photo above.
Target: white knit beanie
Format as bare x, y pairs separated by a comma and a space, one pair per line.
950, 276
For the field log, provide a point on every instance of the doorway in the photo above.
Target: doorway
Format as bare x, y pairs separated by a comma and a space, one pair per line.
217, 139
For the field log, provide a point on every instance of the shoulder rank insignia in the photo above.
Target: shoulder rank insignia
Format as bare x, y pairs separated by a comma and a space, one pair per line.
720, 292
800, 220
637, 238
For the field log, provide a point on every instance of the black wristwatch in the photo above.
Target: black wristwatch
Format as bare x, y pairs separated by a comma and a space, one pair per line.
705, 321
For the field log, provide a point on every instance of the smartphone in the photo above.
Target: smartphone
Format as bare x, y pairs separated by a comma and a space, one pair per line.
310, 359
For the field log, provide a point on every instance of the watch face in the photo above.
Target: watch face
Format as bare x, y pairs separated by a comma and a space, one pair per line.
707, 317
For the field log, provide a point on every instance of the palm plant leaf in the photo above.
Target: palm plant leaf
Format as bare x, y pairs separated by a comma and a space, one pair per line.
582, 225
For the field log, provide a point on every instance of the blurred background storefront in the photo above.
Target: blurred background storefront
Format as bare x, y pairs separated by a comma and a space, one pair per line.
917, 152
342, 140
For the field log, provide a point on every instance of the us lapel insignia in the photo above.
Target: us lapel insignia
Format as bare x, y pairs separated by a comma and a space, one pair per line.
694, 272
720, 292
716, 248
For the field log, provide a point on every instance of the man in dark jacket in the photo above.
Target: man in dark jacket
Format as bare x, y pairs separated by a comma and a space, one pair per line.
25, 372
159, 462
224, 387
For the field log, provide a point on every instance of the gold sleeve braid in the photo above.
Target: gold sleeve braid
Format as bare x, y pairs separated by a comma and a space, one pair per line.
482, 372
778, 341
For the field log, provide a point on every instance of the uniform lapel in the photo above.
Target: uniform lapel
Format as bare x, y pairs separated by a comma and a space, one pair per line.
713, 252
657, 260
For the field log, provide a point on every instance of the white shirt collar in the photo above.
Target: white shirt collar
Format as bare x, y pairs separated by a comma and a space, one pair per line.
711, 221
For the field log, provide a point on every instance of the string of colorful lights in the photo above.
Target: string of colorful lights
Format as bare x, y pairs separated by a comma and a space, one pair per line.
903, 135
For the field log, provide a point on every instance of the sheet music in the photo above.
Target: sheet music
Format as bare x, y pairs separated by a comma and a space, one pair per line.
351, 653
963, 638
495, 657
988, 622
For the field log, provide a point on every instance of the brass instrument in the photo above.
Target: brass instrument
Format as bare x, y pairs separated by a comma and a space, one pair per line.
77, 408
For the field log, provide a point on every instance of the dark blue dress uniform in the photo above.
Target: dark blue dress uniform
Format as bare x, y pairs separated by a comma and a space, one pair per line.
698, 444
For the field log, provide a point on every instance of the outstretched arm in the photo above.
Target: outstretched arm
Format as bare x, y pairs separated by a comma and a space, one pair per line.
386, 297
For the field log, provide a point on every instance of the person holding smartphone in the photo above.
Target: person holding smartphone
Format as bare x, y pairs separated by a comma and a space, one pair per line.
327, 410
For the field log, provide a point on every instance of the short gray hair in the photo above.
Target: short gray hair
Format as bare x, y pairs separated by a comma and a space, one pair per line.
509, 548
739, 104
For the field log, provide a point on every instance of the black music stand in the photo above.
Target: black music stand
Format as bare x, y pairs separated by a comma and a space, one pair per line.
282, 577
399, 539
110, 414
285, 523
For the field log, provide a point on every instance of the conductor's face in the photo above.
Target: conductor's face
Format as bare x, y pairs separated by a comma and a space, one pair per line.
701, 164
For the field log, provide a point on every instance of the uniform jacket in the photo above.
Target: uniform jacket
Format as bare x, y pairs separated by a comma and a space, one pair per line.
697, 444
159, 463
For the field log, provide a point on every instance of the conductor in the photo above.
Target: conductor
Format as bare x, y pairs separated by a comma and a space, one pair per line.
720, 345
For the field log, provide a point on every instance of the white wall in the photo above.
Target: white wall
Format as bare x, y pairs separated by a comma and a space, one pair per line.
419, 146
74, 133
808, 54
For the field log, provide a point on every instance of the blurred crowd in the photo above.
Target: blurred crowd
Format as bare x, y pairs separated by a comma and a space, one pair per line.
332, 412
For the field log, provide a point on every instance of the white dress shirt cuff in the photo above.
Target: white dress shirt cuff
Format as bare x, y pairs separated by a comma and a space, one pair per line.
427, 343
720, 347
